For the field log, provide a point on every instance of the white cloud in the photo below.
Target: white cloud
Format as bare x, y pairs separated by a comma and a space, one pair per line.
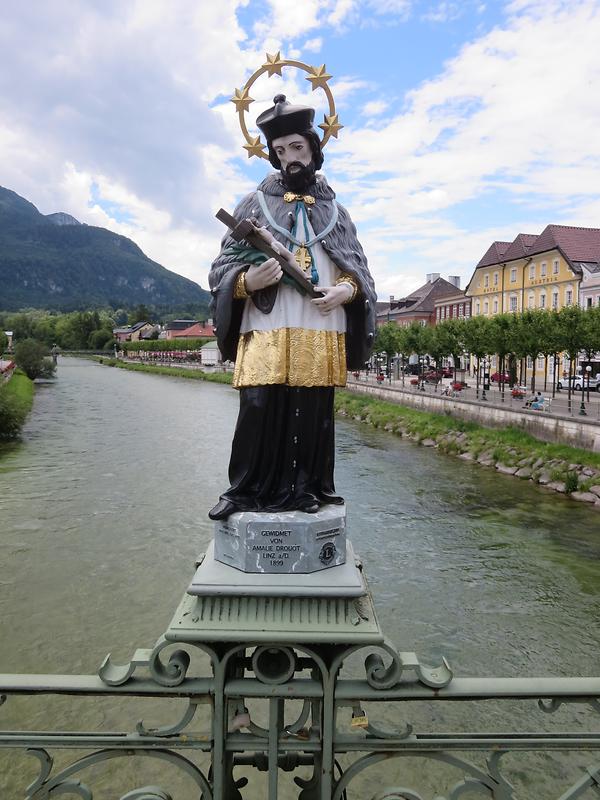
313, 45
375, 107
515, 109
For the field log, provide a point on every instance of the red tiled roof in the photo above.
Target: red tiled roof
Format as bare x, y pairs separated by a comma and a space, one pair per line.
494, 253
198, 330
577, 244
520, 247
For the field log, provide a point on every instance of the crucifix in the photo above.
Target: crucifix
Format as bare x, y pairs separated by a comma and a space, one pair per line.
303, 258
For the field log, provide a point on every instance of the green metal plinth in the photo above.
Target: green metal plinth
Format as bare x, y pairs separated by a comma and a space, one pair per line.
303, 620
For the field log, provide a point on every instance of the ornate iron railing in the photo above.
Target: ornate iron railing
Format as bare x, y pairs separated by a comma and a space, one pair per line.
284, 707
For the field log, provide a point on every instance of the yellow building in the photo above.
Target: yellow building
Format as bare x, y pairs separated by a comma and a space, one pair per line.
533, 271
530, 272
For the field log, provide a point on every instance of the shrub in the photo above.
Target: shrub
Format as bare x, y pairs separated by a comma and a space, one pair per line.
16, 397
571, 481
30, 356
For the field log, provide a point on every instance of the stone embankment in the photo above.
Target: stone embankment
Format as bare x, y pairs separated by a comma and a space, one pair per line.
579, 481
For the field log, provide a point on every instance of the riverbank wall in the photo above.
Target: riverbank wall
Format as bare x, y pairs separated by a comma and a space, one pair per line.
546, 426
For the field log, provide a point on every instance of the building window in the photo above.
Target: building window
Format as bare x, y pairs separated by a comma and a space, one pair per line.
468, 309
477, 308
569, 297
513, 303
540, 362
555, 300
589, 302
531, 301
543, 269
486, 280
495, 279
461, 309
543, 300
513, 275
422, 322
438, 313
555, 266
531, 272
486, 307
454, 310
495, 306
529, 362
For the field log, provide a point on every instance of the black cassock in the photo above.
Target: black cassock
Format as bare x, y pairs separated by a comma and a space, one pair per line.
282, 454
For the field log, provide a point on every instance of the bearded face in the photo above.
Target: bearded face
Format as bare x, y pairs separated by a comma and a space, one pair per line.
296, 160
298, 177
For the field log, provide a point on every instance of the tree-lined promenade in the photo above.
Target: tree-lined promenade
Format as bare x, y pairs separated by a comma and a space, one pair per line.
512, 338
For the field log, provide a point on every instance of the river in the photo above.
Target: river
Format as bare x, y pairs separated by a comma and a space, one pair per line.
103, 511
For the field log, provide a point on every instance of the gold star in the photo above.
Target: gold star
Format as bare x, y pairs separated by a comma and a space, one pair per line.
242, 100
318, 77
331, 125
273, 64
255, 147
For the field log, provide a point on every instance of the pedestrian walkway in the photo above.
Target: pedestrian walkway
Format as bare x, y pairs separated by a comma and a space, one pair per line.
559, 405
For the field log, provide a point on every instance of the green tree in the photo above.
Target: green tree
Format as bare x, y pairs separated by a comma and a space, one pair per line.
30, 356
386, 341
499, 333
477, 333
571, 335
3, 342
140, 313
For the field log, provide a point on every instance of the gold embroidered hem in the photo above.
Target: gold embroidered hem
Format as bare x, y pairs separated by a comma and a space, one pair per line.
291, 356
351, 282
239, 290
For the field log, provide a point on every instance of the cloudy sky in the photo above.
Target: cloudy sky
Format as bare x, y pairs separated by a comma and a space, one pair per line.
465, 121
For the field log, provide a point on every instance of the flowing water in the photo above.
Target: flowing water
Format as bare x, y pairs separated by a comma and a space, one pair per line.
103, 510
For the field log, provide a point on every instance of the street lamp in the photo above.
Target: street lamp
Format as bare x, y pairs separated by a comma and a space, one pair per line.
588, 370
486, 378
422, 373
582, 412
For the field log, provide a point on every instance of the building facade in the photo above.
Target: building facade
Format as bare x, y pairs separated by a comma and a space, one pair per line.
534, 271
420, 305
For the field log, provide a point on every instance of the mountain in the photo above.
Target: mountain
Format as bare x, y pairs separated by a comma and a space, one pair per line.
58, 263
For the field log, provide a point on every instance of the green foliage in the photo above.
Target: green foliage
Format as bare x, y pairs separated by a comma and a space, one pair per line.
501, 443
159, 345
174, 372
571, 482
387, 339
16, 398
141, 313
3, 342
30, 356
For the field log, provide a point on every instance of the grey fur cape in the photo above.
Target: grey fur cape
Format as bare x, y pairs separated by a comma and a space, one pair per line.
341, 245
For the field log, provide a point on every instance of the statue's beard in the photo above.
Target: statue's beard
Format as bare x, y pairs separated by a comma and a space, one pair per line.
300, 179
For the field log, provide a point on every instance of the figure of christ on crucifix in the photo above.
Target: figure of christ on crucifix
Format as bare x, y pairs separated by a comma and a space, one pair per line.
290, 350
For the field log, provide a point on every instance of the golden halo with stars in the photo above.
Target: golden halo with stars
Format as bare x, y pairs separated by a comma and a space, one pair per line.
318, 78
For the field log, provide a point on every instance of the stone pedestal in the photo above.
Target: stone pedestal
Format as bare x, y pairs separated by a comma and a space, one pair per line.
284, 543
215, 578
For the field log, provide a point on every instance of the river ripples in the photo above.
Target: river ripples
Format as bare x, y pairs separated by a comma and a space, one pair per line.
103, 511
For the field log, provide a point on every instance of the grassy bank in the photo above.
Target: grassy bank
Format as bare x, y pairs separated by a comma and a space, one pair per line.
16, 399
176, 372
565, 469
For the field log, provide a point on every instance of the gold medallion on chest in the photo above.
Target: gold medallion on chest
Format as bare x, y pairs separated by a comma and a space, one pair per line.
303, 258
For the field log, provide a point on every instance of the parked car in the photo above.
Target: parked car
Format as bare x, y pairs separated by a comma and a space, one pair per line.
496, 377
580, 381
433, 375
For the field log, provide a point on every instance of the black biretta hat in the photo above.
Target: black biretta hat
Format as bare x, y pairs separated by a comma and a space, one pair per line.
284, 119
